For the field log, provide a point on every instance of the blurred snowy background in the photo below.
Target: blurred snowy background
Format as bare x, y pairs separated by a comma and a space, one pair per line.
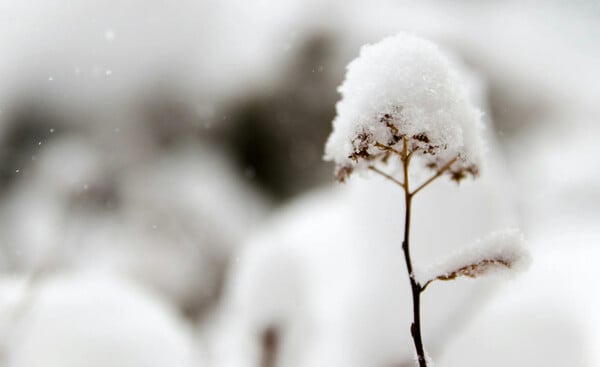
163, 201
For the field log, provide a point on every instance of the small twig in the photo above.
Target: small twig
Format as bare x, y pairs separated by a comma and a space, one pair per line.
389, 177
404, 155
389, 149
270, 345
445, 168
409, 157
416, 289
424, 286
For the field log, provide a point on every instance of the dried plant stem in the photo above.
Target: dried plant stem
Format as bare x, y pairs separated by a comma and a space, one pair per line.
270, 347
416, 289
389, 177
387, 149
440, 172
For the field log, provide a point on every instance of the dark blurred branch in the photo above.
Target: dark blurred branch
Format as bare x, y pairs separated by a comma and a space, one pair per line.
270, 346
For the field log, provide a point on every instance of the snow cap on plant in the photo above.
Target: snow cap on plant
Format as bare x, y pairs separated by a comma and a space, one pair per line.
403, 90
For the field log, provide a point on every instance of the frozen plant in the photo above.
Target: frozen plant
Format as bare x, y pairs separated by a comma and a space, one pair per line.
402, 102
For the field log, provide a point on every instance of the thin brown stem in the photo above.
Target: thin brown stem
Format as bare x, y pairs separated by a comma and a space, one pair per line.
416, 289
270, 347
389, 177
404, 153
424, 286
388, 149
409, 157
415, 328
441, 171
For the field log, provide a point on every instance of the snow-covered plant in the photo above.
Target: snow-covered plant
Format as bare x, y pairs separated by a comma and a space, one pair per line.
402, 103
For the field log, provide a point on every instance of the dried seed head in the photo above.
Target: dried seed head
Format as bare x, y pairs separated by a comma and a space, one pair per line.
474, 270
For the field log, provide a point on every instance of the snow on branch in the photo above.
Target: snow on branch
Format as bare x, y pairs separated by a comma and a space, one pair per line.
498, 252
404, 90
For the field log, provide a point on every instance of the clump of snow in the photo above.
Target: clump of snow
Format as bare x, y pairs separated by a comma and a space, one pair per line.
546, 318
95, 319
502, 250
403, 89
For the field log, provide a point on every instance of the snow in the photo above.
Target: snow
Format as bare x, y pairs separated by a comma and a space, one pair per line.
198, 228
208, 52
328, 272
499, 251
408, 83
549, 316
339, 294
92, 319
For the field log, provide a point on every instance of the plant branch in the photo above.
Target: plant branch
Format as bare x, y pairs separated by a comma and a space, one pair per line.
389, 177
445, 168
415, 328
416, 289
388, 149
424, 286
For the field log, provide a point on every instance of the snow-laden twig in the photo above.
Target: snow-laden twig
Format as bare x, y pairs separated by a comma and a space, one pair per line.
496, 253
